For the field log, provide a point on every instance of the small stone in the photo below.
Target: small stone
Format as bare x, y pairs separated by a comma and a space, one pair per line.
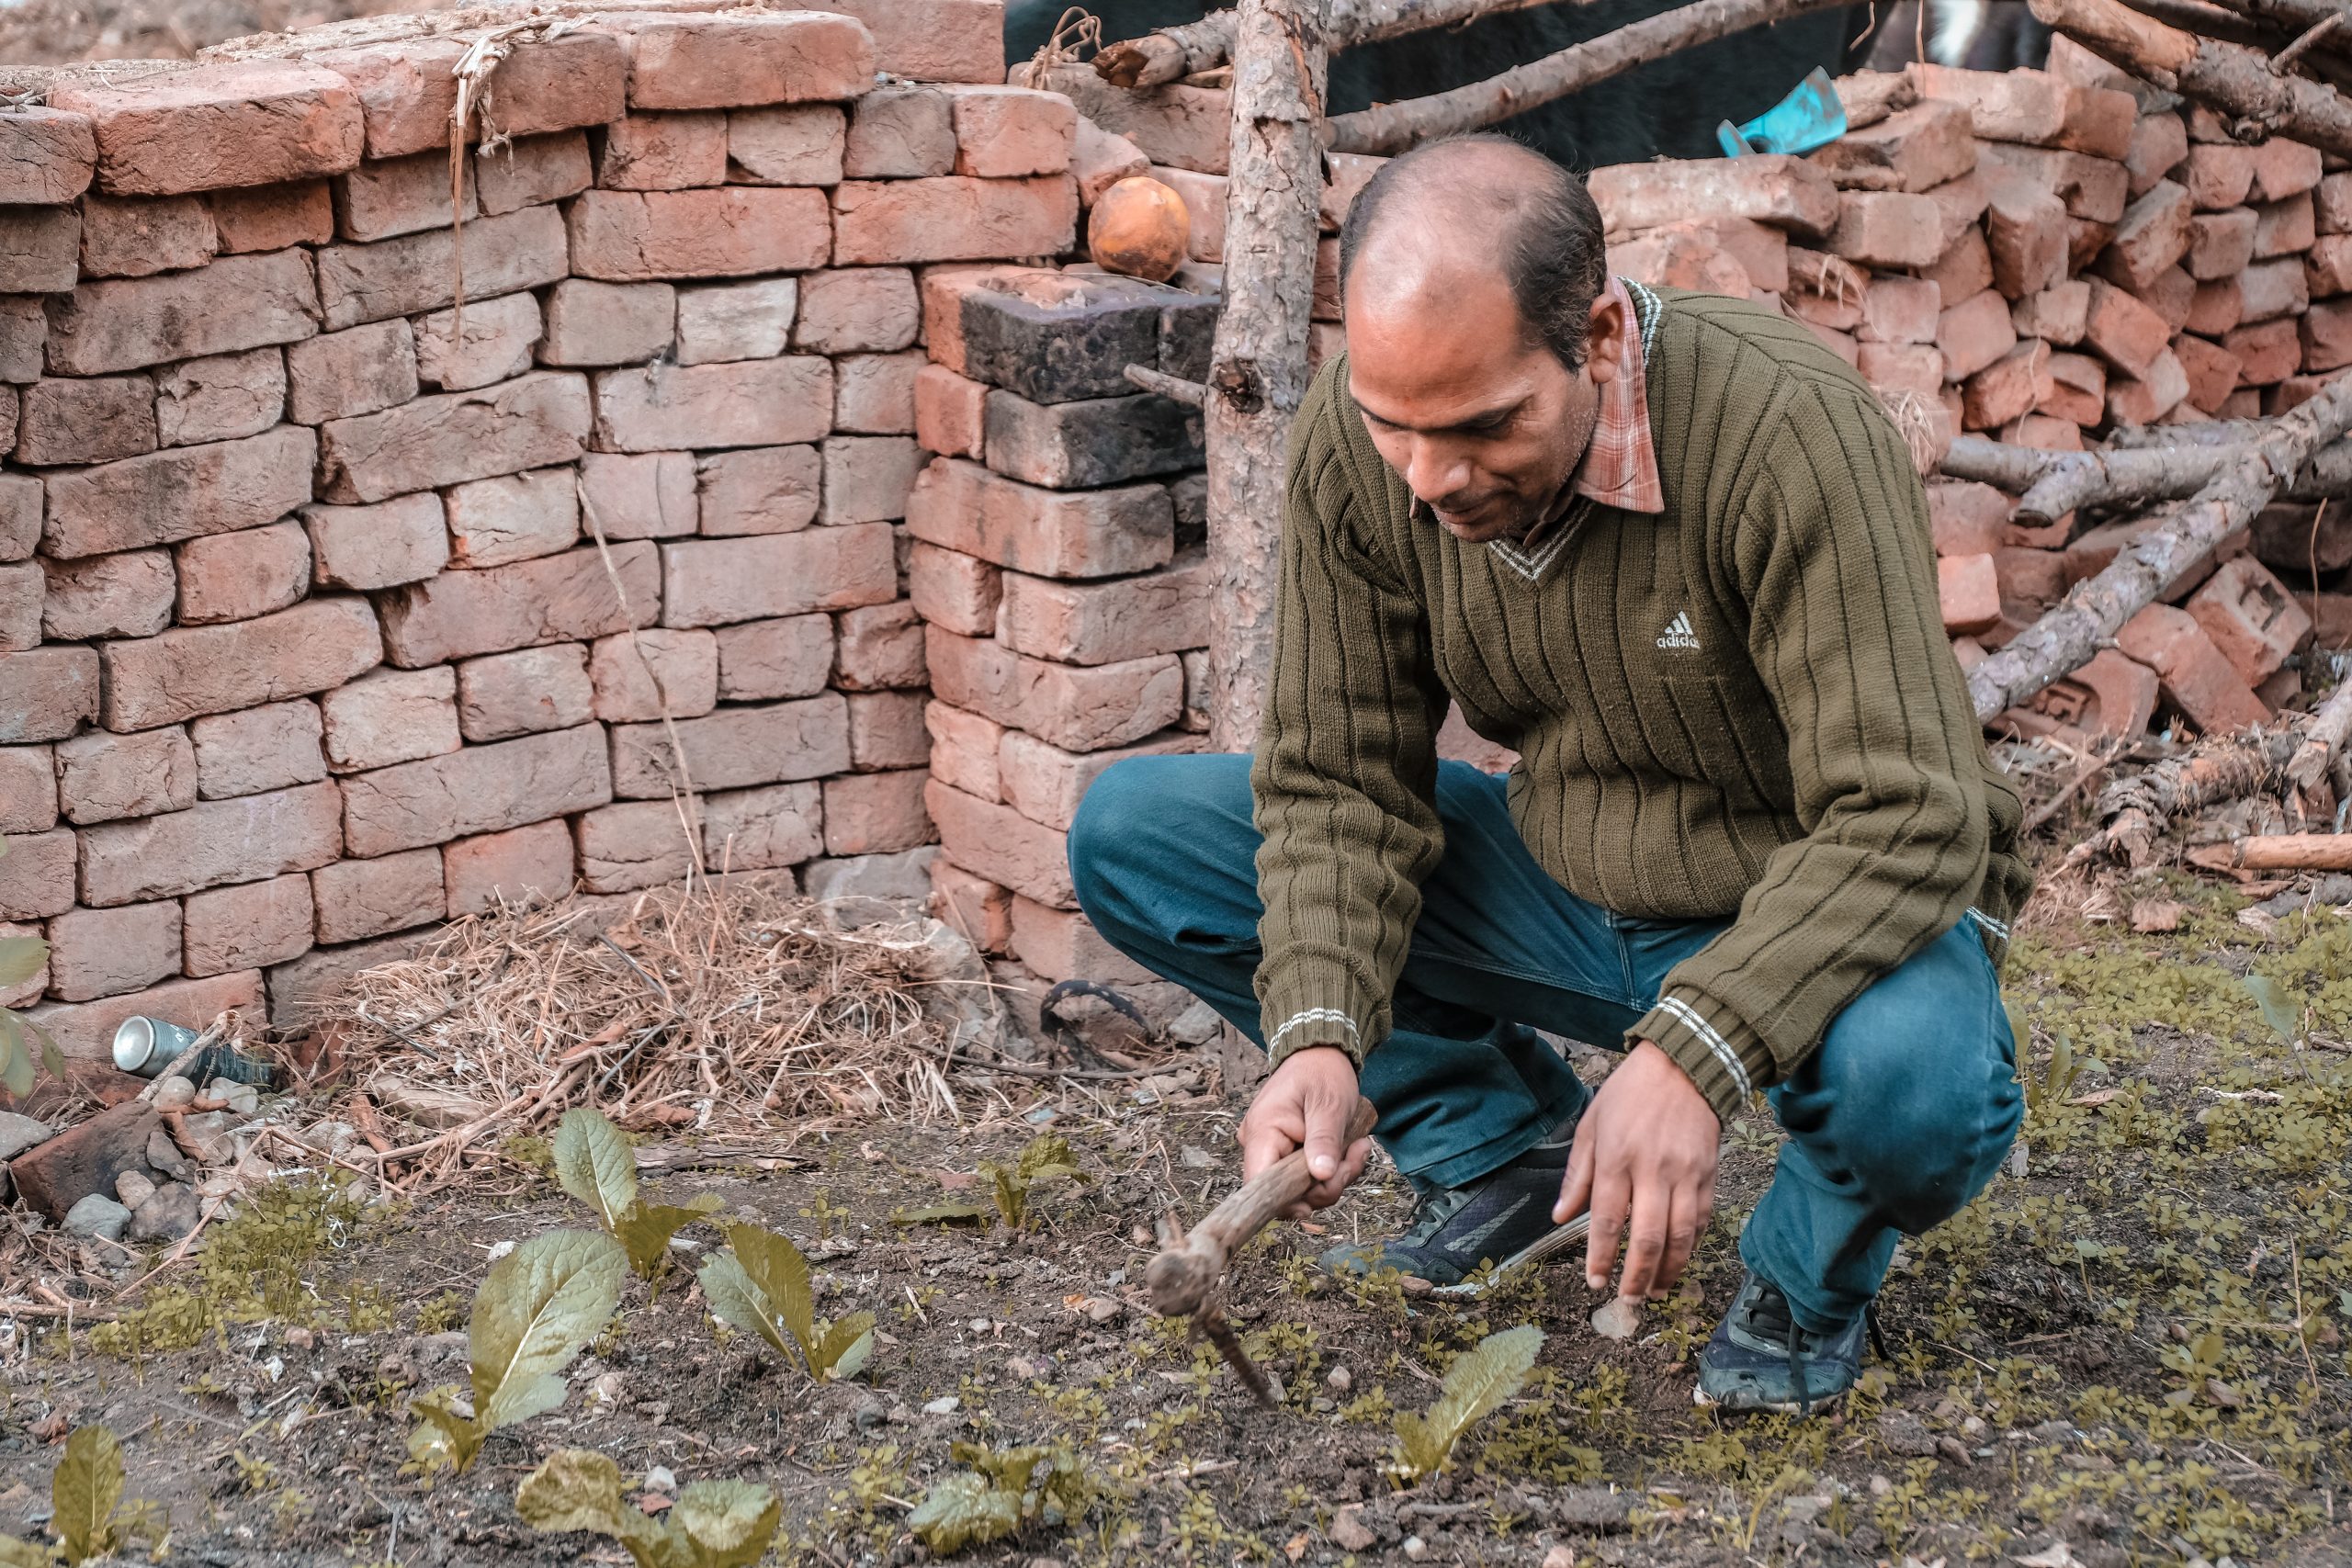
133, 1188
170, 1214
97, 1216
1340, 1380
1416, 1549
1105, 1309
1559, 1557
173, 1093
944, 1406
165, 1157
497, 1250
300, 1338
19, 1133
1619, 1319
204, 1137
661, 1478
1348, 1532
1593, 1508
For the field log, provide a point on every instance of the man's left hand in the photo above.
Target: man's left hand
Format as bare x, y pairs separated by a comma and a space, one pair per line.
1646, 1148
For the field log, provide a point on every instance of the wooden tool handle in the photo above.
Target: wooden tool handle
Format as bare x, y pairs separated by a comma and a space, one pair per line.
1181, 1278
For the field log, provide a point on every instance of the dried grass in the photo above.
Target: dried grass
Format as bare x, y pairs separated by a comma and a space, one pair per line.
726, 1008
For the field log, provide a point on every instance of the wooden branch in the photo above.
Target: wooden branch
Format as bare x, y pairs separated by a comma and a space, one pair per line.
1258, 373
1393, 127
2323, 739
2229, 77
1194, 393
2137, 811
2097, 607
2208, 21
2279, 852
1183, 1278
2013, 469
1171, 54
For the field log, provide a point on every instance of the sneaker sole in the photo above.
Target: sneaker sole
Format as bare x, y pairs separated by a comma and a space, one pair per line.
1705, 1400
1534, 1252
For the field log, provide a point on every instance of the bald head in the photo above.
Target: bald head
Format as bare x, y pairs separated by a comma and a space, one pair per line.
1457, 216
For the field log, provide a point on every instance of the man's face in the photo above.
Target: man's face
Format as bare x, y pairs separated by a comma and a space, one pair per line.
1483, 421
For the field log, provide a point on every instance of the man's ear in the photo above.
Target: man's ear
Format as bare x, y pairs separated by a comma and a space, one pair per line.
1604, 340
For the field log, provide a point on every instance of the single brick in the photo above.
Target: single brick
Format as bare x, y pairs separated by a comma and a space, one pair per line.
533, 421
763, 830
563, 598
623, 236
885, 728
2122, 331
974, 906
2194, 676
2077, 390
398, 195
2283, 228
301, 992
964, 750
2251, 616
383, 546
1974, 334
867, 478
101, 778
27, 792
663, 152
900, 133
2328, 269
242, 123
858, 310
495, 342
1969, 588
2270, 289
952, 219
47, 693
416, 272
224, 397
878, 813
643, 675
962, 506
2266, 352
950, 412
1102, 623
735, 748
873, 394
37, 874
761, 489
106, 953
2220, 243
648, 495
2159, 142
2283, 169
270, 218
46, 155
1788, 192
710, 62
931, 41
1062, 944
633, 845
513, 518
130, 594
2003, 106
710, 582
2212, 372
532, 171
236, 302
408, 90
2154, 233
1012, 132
318, 644
364, 370
235, 576
1888, 229
2217, 176
756, 402
390, 716
2326, 335
211, 844
1052, 337
39, 249
1899, 310
177, 494
591, 323
1915, 149
1094, 442
481, 789
1077, 709
357, 898
2217, 306
522, 693
22, 589
138, 236
761, 660
2093, 190
24, 334
1964, 269
881, 647
247, 926
520, 866
86, 419
736, 321
999, 843
798, 145
2144, 399
259, 750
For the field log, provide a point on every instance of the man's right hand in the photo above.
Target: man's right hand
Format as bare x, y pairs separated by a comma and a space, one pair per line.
1305, 1104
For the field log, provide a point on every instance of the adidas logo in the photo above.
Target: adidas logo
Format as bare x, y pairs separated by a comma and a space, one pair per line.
1680, 634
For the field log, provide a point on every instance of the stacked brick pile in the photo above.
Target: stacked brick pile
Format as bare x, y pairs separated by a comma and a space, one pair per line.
304, 637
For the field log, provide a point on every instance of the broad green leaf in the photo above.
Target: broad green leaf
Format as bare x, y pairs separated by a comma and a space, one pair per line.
442, 1438
595, 1164
946, 1214
84, 1492
52, 1060
16, 1552
15, 1061
1476, 1385
1048, 1154
777, 1267
1012, 1195
964, 1510
573, 1489
644, 1230
737, 1303
541, 1303
841, 1351
730, 1523
1009, 1469
21, 958
2278, 1010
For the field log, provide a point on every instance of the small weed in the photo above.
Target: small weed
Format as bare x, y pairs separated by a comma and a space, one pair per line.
1476, 1386
760, 1286
713, 1524
1002, 1491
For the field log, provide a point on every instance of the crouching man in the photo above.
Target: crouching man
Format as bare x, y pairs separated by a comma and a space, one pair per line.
1673, 551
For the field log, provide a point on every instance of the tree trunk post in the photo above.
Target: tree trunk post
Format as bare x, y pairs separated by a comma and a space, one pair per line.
1258, 373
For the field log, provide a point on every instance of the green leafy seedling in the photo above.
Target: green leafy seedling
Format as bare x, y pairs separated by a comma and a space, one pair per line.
21, 958
2280, 1012
539, 1305
1004, 1490
1475, 1387
713, 1524
760, 1286
86, 1501
596, 1165
1047, 1157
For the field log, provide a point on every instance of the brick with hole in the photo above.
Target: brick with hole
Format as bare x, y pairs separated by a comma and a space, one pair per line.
516, 518
107, 953
869, 813
521, 867
28, 790
240, 576
103, 778
663, 152
363, 370
383, 546
532, 421
531, 171
270, 218
768, 828
259, 749
734, 231
225, 397
211, 844
755, 402
390, 716
37, 874
246, 926
640, 495
494, 342
790, 657
761, 490
532, 689
735, 748
736, 321
873, 394
710, 582
479, 789
126, 323
561, 598
2251, 616
641, 676
239, 123
952, 219
130, 594
961, 506
416, 272
312, 646
359, 899
138, 236
881, 647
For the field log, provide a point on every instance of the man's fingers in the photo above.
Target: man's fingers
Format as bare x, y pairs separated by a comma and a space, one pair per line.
1327, 1131
1683, 1230
1264, 1144
1646, 1238
1609, 1198
1575, 1188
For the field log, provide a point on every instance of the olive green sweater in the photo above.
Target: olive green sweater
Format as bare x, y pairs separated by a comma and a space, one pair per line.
1744, 706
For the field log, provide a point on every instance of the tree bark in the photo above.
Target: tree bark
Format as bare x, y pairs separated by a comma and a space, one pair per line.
1257, 373
2092, 612
1393, 127
2280, 851
2050, 484
2137, 811
2209, 21
2323, 739
1171, 54
2226, 76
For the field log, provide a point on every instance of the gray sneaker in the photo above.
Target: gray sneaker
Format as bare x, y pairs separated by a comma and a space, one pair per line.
1503, 1218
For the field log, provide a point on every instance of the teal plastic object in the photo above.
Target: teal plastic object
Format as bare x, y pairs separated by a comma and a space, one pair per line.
1808, 117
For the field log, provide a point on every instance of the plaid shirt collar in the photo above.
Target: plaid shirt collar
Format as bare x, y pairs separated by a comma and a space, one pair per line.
1619, 468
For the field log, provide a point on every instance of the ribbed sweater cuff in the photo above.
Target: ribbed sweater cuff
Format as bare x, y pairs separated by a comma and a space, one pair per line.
1724, 1057
1316, 1011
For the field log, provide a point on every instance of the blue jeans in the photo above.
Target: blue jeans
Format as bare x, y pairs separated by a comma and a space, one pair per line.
1899, 1118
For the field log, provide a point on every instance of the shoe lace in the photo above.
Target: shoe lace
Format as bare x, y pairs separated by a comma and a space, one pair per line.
1768, 1319
1431, 1213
